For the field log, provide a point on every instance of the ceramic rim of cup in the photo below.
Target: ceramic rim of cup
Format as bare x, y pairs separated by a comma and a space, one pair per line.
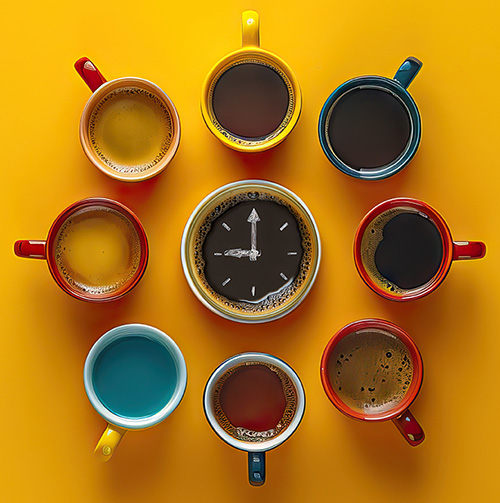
188, 259
446, 239
131, 217
251, 54
94, 100
236, 361
137, 330
384, 326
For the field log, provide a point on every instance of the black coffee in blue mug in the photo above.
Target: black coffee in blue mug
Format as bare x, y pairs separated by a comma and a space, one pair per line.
370, 127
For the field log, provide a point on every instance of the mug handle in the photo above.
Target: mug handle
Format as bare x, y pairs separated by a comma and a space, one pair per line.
256, 468
89, 73
467, 250
31, 249
250, 27
109, 442
408, 71
409, 427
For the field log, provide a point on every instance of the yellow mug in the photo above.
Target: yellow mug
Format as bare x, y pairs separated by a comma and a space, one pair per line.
251, 99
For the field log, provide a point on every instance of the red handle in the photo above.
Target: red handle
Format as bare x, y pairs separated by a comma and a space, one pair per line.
30, 249
410, 428
466, 250
89, 73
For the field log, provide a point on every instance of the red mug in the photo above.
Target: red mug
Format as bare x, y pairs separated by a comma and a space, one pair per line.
96, 250
371, 370
403, 249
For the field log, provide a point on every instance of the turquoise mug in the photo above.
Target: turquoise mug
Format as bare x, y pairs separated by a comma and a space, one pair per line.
370, 127
135, 376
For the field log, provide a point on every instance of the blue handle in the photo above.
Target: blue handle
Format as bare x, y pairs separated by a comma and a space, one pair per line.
408, 71
256, 468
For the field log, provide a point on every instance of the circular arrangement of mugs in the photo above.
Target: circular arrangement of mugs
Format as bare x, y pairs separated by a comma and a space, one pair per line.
251, 251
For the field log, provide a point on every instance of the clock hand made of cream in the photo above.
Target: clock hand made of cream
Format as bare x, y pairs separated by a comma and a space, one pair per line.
253, 253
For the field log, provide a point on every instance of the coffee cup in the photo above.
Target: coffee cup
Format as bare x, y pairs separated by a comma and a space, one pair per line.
371, 370
251, 99
135, 376
254, 402
129, 128
370, 127
96, 250
403, 249
251, 251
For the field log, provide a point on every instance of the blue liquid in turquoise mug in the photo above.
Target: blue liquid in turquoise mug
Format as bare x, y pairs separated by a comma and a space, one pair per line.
370, 127
135, 376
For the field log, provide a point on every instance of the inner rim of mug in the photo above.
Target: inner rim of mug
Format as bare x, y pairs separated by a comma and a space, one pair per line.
237, 361
268, 60
435, 218
201, 217
153, 334
51, 249
162, 160
381, 326
394, 89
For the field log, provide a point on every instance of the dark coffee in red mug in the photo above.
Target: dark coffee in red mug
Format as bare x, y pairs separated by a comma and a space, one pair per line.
372, 370
403, 249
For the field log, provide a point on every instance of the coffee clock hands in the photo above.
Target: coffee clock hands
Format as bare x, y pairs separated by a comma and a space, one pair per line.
253, 253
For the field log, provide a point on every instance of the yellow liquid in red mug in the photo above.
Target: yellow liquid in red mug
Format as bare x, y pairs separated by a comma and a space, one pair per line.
97, 250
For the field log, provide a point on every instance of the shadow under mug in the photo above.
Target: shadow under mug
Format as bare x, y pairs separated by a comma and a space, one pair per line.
430, 249
362, 122
256, 397
111, 242
135, 376
141, 134
371, 402
263, 71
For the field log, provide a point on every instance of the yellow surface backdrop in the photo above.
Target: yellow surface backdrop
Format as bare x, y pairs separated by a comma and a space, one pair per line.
48, 427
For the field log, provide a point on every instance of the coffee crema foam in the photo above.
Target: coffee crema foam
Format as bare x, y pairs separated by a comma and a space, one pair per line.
372, 237
245, 434
271, 302
370, 371
130, 130
97, 250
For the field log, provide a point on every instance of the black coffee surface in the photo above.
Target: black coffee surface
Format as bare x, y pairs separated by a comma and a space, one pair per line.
369, 128
411, 251
278, 242
250, 100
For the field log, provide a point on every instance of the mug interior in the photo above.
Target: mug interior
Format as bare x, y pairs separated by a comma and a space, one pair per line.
130, 129
117, 368
371, 370
104, 234
370, 235
375, 125
247, 439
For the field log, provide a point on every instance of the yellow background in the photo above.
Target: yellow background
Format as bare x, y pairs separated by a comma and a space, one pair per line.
48, 427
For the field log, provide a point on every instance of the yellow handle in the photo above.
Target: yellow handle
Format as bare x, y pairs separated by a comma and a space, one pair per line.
109, 442
250, 28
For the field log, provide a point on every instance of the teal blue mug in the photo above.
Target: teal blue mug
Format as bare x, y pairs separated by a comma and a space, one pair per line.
370, 127
135, 376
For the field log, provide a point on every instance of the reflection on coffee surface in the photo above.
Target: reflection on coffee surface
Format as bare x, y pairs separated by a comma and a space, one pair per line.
401, 249
370, 370
368, 128
97, 250
130, 130
254, 402
250, 100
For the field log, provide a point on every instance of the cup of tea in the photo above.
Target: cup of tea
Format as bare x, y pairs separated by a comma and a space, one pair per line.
254, 402
96, 250
251, 251
370, 127
129, 128
251, 99
135, 376
371, 370
403, 249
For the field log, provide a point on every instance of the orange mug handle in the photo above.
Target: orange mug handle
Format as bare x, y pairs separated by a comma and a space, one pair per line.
409, 427
89, 73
